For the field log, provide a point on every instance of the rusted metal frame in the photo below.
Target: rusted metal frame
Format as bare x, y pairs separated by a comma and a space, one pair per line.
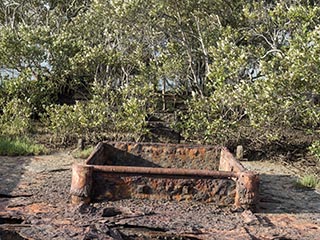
81, 184
96, 154
247, 183
96, 157
175, 145
164, 172
229, 163
247, 190
82, 177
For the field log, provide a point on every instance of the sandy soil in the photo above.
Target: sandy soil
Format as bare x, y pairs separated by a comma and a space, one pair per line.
35, 204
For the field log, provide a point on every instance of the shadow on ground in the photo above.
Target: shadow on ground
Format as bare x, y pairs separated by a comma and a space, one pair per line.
11, 173
280, 194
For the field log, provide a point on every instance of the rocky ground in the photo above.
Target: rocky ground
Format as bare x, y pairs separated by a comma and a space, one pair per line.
35, 204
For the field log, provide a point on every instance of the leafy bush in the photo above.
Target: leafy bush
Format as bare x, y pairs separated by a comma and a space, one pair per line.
85, 153
60, 120
82, 120
315, 149
37, 93
137, 100
108, 111
15, 119
249, 86
208, 119
19, 147
131, 117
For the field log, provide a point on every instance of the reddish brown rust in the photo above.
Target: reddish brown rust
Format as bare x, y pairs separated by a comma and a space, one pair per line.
156, 155
169, 171
164, 172
81, 184
113, 187
229, 163
247, 190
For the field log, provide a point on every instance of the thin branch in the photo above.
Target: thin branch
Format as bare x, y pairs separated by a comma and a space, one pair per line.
265, 38
273, 51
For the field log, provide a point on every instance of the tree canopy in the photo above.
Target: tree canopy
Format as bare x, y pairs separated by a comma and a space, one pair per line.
87, 67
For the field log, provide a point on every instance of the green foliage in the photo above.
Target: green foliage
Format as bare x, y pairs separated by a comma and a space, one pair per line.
85, 153
315, 149
20, 147
74, 121
86, 120
15, 119
132, 109
131, 117
208, 119
264, 83
239, 65
309, 181
36, 93
108, 111
24, 48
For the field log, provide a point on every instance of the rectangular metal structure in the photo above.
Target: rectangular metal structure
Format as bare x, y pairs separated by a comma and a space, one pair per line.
118, 170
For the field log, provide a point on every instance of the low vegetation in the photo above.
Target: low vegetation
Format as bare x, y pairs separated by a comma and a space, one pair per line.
241, 70
315, 149
309, 181
85, 153
19, 147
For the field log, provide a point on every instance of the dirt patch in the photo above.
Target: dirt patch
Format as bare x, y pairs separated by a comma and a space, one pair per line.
35, 204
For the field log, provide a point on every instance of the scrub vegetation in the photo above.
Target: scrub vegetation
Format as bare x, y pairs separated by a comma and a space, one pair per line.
241, 71
19, 147
309, 181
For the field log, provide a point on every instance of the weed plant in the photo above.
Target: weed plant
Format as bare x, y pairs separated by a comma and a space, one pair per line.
309, 181
83, 153
20, 147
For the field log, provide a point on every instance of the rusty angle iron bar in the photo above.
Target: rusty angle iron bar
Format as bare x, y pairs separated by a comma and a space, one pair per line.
164, 172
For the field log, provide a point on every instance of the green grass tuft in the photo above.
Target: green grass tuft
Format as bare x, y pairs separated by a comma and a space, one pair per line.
309, 181
83, 153
20, 147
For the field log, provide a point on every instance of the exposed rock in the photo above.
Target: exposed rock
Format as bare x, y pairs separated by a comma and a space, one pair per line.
110, 212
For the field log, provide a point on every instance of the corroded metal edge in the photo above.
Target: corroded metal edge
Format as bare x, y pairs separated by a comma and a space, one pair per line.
164, 172
229, 163
247, 182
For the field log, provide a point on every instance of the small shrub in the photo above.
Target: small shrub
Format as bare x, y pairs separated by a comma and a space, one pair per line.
83, 153
131, 118
85, 120
309, 181
122, 111
20, 147
37, 93
62, 121
315, 149
15, 119
208, 119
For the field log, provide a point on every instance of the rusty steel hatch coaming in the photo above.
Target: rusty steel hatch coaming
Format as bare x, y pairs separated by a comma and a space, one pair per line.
118, 170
